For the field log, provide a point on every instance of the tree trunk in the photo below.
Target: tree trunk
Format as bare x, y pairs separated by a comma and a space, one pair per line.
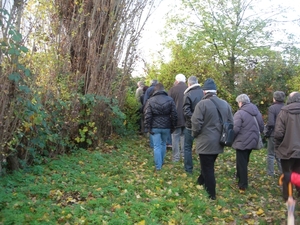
13, 162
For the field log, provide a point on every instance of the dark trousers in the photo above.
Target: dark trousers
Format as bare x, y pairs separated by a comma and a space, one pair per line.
207, 176
289, 165
242, 160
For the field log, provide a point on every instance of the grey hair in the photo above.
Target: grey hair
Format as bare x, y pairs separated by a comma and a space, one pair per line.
159, 87
153, 82
293, 97
243, 98
193, 80
140, 83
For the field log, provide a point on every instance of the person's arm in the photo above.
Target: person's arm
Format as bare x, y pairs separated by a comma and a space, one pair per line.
197, 119
270, 123
173, 116
237, 123
279, 131
148, 117
187, 107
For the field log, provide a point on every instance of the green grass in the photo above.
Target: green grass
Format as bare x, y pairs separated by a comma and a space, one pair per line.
116, 184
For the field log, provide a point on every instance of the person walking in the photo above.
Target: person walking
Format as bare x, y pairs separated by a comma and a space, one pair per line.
139, 90
176, 92
286, 138
148, 94
247, 123
160, 119
206, 129
273, 110
138, 93
192, 95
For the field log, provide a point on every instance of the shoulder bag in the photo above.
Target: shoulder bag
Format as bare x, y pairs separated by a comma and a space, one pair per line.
227, 134
260, 144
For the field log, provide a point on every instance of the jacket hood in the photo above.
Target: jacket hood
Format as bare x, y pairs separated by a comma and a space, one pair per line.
250, 108
293, 108
191, 87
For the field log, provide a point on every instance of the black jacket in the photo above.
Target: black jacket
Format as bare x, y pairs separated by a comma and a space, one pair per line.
160, 112
176, 92
192, 96
273, 111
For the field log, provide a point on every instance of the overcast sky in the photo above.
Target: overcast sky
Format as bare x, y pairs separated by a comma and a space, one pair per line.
151, 41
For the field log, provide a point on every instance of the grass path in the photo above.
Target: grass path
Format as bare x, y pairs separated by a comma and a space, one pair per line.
116, 184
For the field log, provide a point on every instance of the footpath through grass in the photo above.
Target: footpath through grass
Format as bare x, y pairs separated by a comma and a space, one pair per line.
117, 185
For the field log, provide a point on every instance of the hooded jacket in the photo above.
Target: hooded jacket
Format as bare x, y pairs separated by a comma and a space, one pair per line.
206, 125
160, 112
192, 95
246, 132
287, 130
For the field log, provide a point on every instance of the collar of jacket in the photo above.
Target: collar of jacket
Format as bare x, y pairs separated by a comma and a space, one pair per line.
191, 87
160, 93
209, 95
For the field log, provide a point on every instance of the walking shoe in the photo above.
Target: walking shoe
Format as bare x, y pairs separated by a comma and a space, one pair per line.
242, 190
212, 197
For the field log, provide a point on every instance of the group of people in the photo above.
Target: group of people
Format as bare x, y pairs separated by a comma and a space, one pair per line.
191, 112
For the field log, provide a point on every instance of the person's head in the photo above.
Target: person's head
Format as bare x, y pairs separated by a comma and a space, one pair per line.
279, 96
180, 78
153, 82
242, 99
192, 80
140, 84
293, 97
159, 87
145, 88
209, 86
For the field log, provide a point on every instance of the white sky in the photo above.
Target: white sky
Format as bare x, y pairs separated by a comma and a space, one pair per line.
150, 43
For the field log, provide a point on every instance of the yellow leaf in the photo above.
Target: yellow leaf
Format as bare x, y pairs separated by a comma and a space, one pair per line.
260, 212
143, 222
172, 222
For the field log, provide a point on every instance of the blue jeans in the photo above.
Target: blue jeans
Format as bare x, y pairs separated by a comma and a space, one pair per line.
159, 139
188, 145
178, 143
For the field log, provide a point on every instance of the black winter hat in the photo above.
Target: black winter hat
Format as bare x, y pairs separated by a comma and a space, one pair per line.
209, 84
279, 96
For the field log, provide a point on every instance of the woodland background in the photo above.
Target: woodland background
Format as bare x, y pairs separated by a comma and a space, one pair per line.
66, 66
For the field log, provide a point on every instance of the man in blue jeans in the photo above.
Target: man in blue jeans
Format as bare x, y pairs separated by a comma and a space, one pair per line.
160, 119
192, 95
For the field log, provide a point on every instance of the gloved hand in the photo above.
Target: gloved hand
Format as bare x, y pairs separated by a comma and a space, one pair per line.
287, 177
